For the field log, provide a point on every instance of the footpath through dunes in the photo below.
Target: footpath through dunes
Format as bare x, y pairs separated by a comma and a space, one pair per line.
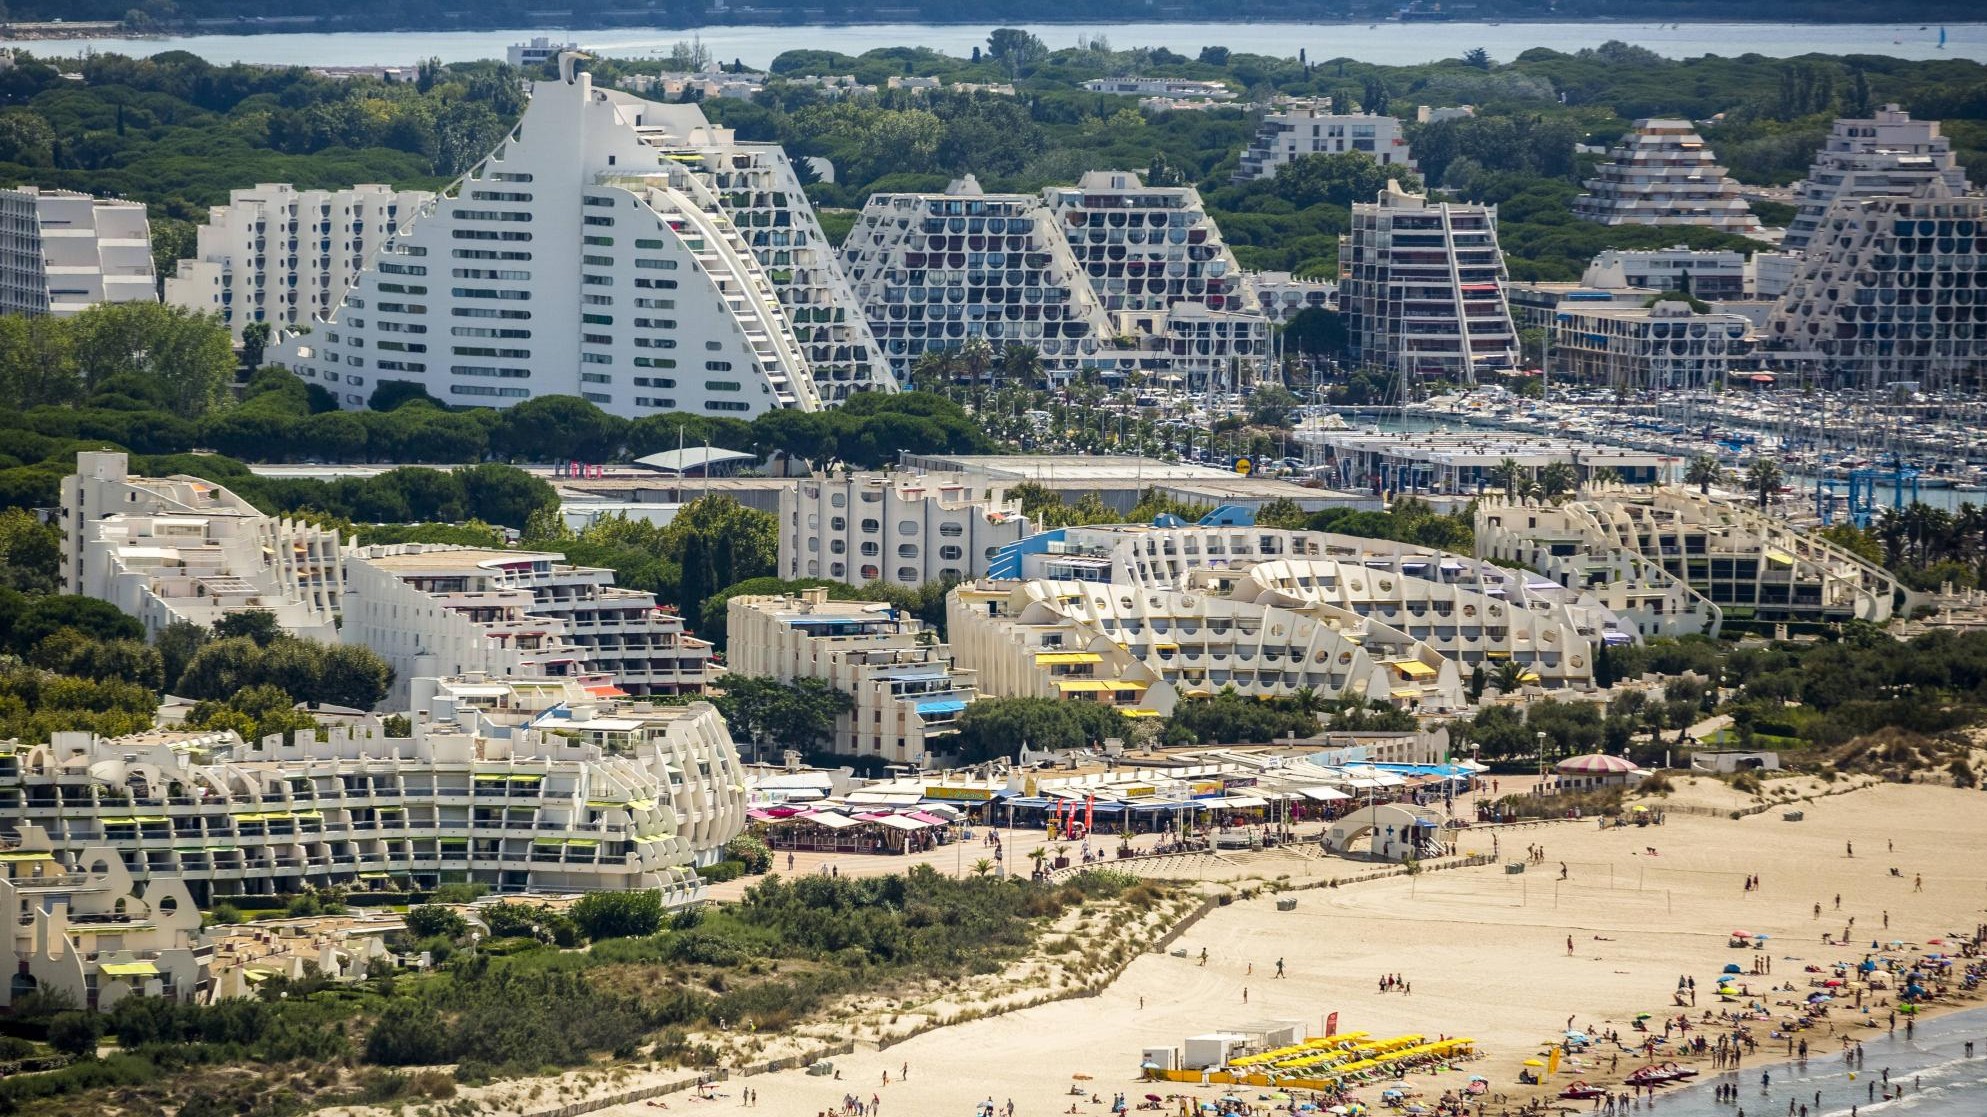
1481, 953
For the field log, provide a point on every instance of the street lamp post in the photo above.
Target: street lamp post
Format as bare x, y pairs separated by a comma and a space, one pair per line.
1541, 741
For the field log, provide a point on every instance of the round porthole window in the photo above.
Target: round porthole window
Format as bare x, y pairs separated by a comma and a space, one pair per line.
1578, 661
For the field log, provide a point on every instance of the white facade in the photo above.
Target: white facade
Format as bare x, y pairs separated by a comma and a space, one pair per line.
1750, 566
1313, 129
536, 786
933, 270
180, 548
441, 610
284, 256
1709, 274
578, 259
1890, 289
62, 252
537, 52
1463, 608
1888, 155
1663, 173
1543, 538
906, 528
1661, 347
81, 928
907, 694
1282, 296
764, 199
1421, 285
1160, 87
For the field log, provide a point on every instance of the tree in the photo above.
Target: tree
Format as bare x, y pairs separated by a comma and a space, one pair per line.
408, 1033
1337, 179
1511, 476
994, 727
557, 428
75, 1033
30, 551
766, 711
1016, 48
429, 920
1557, 479
501, 494
254, 343
1703, 471
258, 625
1282, 513
618, 915
718, 542
1763, 477
189, 355
177, 644
1477, 57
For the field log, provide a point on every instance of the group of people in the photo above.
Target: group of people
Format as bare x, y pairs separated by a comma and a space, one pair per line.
1389, 983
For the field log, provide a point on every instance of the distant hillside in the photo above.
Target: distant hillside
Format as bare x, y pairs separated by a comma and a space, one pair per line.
251, 16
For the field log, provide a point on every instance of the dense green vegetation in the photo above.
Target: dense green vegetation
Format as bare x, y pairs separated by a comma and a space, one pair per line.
1926, 547
514, 1006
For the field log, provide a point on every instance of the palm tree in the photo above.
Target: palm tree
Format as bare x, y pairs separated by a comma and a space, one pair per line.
1511, 475
1557, 478
982, 867
1703, 472
1507, 677
1606, 477
977, 356
1763, 477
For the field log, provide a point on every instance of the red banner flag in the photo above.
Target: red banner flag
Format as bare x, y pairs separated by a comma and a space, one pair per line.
1089, 814
1331, 1024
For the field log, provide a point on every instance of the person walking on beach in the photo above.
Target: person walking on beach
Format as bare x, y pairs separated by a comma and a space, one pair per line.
1849, 848
1569, 946
1279, 967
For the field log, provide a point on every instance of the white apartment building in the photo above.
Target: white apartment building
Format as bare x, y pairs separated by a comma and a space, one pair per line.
1887, 155
1313, 129
62, 252
1543, 537
579, 258
757, 188
1160, 87
1663, 173
1421, 285
82, 929
1889, 289
1750, 566
434, 610
1152, 249
932, 270
537, 52
284, 256
183, 549
1666, 346
907, 693
537, 786
1709, 274
1465, 609
1143, 651
1282, 296
906, 528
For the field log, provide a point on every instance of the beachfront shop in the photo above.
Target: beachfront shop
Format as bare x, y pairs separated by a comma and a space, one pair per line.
822, 830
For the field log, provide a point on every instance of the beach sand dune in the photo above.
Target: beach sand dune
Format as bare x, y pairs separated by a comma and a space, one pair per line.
1484, 953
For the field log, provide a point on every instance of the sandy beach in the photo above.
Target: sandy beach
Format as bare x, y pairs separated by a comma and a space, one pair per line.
1483, 954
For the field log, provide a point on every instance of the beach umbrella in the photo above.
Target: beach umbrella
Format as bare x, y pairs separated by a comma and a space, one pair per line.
1762, 938
1741, 934
1644, 1015
1534, 1062
1154, 1097
1732, 967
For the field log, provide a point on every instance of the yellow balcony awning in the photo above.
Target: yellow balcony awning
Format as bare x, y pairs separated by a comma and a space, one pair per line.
583, 843
157, 818
1068, 686
489, 777
1407, 692
642, 805
1066, 659
1137, 712
129, 969
1165, 647
26, 855
527, 779
1415, 669
1779, 557
605, 804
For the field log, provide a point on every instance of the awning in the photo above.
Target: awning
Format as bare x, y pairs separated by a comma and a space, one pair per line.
1324, 794
1415, 669
1779, 557
1083, 685
899, 822
1061, 659
128, 969
949, 706
1135, 712
830, 820
1243, 801
25, 855
1408, 692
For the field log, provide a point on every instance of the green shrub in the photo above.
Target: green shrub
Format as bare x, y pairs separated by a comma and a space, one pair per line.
616, 915
430, 920
459, 893
722, 871
75, 1033
755, 854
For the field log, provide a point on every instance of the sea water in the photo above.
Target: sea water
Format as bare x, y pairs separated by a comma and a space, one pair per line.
1940, 1080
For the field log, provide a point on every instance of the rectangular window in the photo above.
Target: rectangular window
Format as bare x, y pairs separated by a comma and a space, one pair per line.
597, 300
595, 378
510, 176
596, 359
402, 269
488, 390
485, 331
598, 242
656, 265
491, 273
654, 382
597, 261
597, 200
401, 346
602, 319
723, 386
595, 219
718, 366
655, 304
486, 254
491, 215
655, 401
398, 366
498, 196
655, 343
597, 397
403, 289
597, 280
640, 243
489, 293
656, 323
597, 339
726, 405
490, 370
657, 284
487, 312
655, 362
491, 234
488, 351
